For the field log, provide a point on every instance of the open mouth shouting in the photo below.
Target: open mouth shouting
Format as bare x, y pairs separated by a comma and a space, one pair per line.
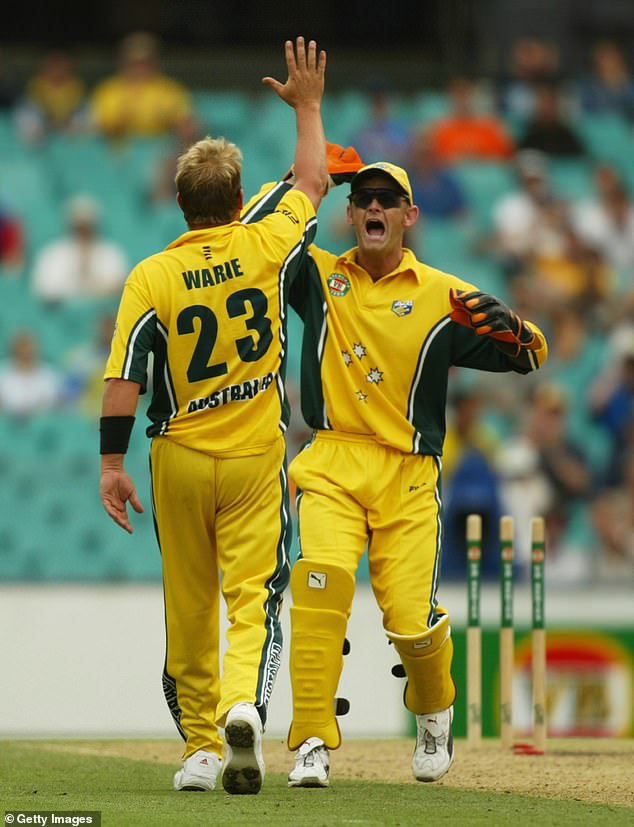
375, 228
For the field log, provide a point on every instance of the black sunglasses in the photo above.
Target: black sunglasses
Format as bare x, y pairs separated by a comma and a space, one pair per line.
388, 199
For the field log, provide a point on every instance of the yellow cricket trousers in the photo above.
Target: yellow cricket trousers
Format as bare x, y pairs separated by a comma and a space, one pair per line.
357, 493
222, 525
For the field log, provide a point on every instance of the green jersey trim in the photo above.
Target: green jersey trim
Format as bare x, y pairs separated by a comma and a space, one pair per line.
138, 347
310, 303
432, 617
415, 403
276, 586
262, 206
164, 406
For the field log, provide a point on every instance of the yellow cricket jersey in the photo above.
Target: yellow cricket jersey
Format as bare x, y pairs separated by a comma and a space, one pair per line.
376, 355
211, 308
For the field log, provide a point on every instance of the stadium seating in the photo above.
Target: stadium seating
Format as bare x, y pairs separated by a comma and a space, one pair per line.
52, 525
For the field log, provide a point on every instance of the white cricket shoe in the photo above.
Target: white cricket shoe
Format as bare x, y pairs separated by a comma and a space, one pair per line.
243, 767
312, 765
199, 772
434, 745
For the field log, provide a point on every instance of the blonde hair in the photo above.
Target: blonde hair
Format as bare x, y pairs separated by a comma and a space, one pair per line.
208, 181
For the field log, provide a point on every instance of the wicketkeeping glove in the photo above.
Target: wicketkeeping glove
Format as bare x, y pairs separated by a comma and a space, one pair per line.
488, 316
343, 164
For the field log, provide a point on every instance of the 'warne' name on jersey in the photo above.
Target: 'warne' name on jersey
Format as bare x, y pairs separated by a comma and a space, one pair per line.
232, 393
211, 277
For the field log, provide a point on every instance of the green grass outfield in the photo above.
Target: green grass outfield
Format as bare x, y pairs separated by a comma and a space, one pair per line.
134, 792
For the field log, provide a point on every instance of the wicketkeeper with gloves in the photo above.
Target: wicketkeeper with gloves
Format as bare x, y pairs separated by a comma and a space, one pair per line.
381, 333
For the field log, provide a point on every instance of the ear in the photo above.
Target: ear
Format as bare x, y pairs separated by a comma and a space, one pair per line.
179, 201
240, 200
349, 214
411, 216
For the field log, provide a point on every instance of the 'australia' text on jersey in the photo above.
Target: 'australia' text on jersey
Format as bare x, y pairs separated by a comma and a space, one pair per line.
232, 393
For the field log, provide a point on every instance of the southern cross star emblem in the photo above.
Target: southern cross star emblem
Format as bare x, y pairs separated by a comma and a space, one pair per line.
362, 397
375, 376
359, 350
347, 358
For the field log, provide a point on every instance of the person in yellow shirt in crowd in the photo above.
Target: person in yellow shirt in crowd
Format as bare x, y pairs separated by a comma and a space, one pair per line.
54, 99
139, 100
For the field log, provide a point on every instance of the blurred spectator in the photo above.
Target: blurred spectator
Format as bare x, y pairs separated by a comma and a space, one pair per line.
53, 100
470, 483
437, 191
518, 216
82, 265
609, 87
621, 330
11, 243
162, 186
613, 520
27, 385
611, 403
549, 130
606, 221
533, 235
565, 269
84, 366
139, 100
533, 60
466, 429
467, 133
524, 490
576, 354
164, 218
384, 136
545, 473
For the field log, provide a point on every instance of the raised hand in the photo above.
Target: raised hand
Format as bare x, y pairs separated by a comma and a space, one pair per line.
306, 73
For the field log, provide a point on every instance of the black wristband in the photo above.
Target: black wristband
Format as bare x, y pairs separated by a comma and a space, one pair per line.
115, 434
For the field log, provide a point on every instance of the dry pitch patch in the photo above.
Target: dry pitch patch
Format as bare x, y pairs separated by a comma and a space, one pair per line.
589, 770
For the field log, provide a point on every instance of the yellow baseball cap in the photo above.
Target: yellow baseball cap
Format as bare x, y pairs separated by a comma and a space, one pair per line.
391, 170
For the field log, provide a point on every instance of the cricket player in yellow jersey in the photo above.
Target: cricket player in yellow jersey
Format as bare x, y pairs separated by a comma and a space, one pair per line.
211, 309
381, 332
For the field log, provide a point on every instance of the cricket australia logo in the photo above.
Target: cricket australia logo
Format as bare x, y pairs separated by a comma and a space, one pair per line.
338, 284
402, 308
